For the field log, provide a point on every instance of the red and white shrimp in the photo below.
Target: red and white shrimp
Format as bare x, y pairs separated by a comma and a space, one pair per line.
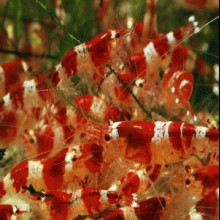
22, 106
96, 53
56, 172
145, 63
80, 203
141, 140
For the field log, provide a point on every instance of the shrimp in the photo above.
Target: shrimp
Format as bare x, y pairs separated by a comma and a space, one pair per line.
96, 52
56, 172
175, 140
145, 63
82, 202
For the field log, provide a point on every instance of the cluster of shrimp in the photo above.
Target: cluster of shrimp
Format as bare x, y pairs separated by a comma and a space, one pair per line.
108, 154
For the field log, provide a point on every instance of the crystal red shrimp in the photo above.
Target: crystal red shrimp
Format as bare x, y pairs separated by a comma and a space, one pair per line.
10, 74
25, 99
96, 52
82, 202
148, 209
56, 172
175, 140
145, 63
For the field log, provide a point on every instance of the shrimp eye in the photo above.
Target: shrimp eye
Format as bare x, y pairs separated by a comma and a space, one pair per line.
107, 137
118, 35
32, 140
187, 181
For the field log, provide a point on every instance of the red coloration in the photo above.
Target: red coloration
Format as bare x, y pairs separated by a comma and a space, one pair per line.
175, 136
84, 102
188, 131
130, 183
208, 205
213, 134
138, 28
59, 204
138, 136
201, 4
151, 209
17, 96
161, 45
209, 176
179, 57
45, 143
11, 71
2, 190
94, 158
112, 197
102, 10
43, 87
61, 114
20, 174
137, 64
156, 172
8, 128
113, 114
120, 90
54, 169
178, 85
69, 131
3, 39
6, 211
36, 112
91, 199
54, 78
69, 62
202, 68
117, 214
100, 48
